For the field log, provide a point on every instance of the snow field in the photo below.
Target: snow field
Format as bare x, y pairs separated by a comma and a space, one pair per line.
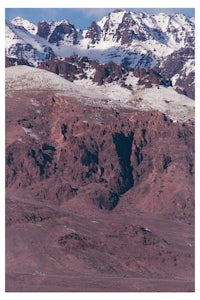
166, 100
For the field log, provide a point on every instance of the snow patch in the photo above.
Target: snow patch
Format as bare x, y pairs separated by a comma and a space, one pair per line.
166, 100
174, 79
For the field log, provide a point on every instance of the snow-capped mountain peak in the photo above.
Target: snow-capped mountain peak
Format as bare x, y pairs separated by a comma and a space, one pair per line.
160, 33
22, 44
58, 32
116, 16
20, 22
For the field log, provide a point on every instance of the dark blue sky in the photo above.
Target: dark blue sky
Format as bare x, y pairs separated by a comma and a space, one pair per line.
81, 17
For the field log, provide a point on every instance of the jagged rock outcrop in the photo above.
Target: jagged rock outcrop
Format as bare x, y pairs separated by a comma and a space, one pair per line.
12, 61
55, 32
127, 36
43, 29
174, 67
77, 68
64, 31
93, 32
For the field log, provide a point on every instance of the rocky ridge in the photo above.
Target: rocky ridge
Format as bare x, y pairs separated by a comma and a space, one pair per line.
78, 68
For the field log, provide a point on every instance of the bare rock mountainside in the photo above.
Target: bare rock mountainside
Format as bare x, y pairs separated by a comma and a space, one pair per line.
99, 186
161, 42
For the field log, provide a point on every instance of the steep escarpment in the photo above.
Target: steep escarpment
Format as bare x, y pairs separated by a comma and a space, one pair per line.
64, 146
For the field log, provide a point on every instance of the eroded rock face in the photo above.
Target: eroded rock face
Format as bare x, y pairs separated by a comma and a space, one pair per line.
9, 61
127, 36
93, 33
65, 30
150, 78
66, 146
173, 66
43, 29
55, 32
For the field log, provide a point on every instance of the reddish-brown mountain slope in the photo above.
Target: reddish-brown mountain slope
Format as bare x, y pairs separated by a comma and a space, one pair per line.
98, 198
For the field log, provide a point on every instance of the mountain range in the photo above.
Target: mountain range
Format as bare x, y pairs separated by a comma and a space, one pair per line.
100, 164
160, 42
